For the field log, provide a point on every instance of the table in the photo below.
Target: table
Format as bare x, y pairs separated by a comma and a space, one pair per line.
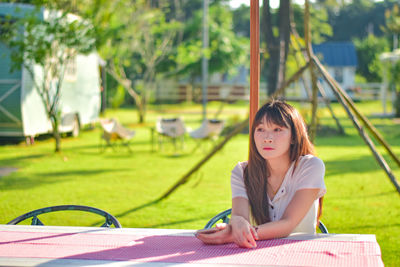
23, 245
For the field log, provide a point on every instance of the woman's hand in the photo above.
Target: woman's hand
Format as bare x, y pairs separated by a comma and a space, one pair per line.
243, 233
221, 234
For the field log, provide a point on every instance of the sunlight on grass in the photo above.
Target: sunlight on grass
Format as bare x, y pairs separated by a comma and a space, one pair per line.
360, 197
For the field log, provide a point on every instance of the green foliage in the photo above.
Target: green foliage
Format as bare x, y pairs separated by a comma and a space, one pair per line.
241, 21
358, 19
118, 98
226, 51
392, 17
368, 51
321, 29
134, 38
49, 43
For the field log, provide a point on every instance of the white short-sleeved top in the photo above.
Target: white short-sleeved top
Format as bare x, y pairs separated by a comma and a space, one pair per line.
309, 173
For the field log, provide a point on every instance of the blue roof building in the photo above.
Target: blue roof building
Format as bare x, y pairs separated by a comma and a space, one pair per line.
336, 54
340, 60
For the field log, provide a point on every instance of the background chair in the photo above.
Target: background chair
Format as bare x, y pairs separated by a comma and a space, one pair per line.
114, 132
109, 219
209, 130
172, 129
224, 216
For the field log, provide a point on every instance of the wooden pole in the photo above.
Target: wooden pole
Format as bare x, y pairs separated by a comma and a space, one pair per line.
254, 58
297, 49
341, 96
314, 99
292, 79
367, 123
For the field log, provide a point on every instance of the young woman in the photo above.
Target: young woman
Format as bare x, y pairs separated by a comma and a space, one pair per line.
279, 187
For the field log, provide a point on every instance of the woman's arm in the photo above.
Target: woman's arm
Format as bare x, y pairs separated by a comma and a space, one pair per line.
294, 213
239, 230
243, 233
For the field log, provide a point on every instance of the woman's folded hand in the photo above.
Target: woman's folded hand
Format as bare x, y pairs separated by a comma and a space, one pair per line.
220, 234
243, 233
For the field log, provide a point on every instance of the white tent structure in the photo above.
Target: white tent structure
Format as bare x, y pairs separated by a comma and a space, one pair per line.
388, 58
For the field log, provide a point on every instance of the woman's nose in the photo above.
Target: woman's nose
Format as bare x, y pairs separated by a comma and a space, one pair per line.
267, 138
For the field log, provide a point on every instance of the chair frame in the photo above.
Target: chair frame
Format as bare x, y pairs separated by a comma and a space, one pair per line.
113, 135
110, 219
224, 217
172, 136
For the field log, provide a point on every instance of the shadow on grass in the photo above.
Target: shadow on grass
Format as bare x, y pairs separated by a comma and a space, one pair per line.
148, 204
14, 161
361, 164
151, 203
26, 182
79, 172
18, 182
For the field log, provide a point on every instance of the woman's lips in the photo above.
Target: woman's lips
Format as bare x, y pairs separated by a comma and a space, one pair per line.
268, 148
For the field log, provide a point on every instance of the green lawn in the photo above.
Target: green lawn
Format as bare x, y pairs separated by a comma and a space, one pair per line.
360, 197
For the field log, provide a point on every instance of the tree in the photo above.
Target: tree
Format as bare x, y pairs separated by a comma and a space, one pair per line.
368, 50
225, 52
134, 38
393, 27
50, 44
277, 42
392, 18
241, 21
321, 30
365, 17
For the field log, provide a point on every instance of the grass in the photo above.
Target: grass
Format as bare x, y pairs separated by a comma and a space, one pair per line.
360, 197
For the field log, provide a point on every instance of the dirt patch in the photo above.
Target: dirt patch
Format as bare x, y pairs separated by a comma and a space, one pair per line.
6, 170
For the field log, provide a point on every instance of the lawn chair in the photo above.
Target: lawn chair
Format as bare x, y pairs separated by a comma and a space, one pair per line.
209, 130
110, 220
172, 129
224, 216
114, 133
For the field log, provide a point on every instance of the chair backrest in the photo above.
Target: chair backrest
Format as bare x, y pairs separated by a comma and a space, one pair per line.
208, 128
110, 220
224, 216
108, 125
123, 132
170, 127
215, 127
112, 128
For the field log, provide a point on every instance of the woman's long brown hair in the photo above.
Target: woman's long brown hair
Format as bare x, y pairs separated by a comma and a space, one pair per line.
256, 173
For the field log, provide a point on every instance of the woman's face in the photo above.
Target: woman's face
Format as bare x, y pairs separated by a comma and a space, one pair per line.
272, 141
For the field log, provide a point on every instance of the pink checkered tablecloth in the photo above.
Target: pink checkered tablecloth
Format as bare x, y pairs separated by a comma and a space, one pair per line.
186, 249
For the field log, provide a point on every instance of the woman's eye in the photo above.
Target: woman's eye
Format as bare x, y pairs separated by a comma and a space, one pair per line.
259, 129
277, 129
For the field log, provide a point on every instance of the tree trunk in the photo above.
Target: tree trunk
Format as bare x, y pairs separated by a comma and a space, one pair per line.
56, 132
278, 47
273, 68
397, 105
284, 40
142, 109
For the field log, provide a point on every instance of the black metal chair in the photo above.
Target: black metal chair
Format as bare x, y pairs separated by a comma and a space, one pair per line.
224, 216
110, 219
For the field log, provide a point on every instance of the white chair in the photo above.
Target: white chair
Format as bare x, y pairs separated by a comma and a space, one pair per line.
173, 129
114, 132
209, 130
